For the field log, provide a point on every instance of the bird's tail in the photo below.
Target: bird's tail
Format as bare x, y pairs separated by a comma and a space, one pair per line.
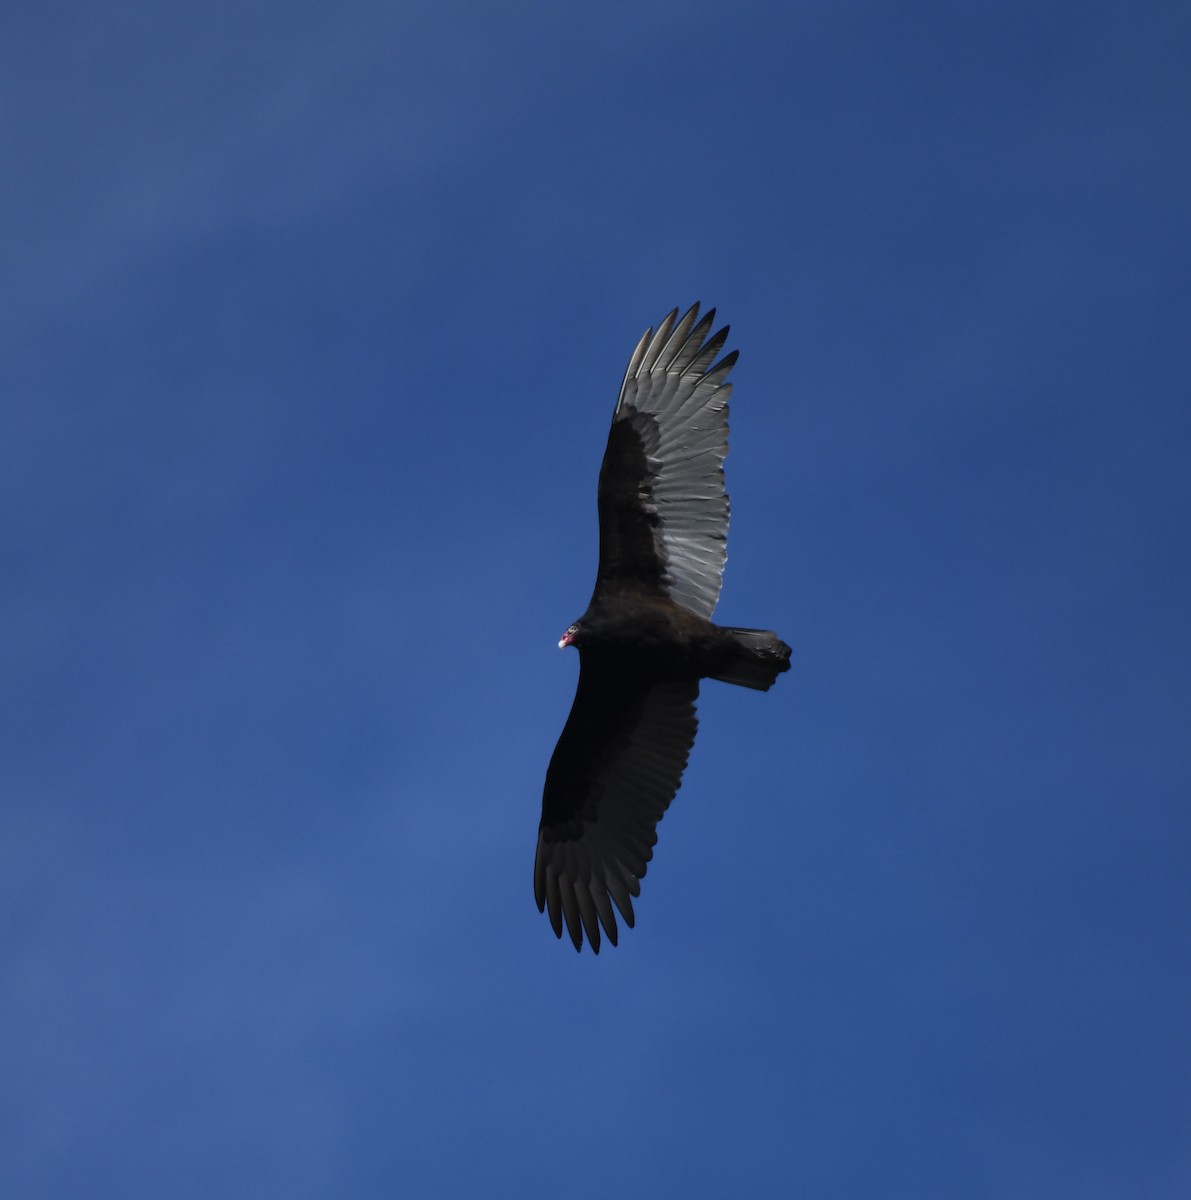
755, 659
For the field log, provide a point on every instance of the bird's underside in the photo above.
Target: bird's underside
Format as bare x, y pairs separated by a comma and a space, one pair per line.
646, 639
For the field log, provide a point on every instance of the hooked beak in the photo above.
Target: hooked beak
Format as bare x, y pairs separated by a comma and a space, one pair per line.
566, 639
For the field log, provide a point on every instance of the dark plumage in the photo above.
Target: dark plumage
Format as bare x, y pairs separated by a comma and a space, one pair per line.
646, 639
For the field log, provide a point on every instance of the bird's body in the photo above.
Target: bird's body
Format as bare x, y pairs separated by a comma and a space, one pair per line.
646, 639
654, 638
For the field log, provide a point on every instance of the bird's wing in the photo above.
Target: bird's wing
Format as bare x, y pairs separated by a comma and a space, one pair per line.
614, 772
663, 510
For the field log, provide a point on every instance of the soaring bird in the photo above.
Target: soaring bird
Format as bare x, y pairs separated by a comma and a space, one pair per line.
646, 639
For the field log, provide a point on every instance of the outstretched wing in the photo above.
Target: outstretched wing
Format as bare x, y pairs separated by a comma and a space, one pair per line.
663, 510
614, 772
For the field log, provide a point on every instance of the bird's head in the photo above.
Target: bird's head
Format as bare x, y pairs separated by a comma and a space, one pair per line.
570, 638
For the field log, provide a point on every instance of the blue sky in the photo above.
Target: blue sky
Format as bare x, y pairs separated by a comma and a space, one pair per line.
313, 324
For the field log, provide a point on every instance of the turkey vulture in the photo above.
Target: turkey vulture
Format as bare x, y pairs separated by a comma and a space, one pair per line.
646, 638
